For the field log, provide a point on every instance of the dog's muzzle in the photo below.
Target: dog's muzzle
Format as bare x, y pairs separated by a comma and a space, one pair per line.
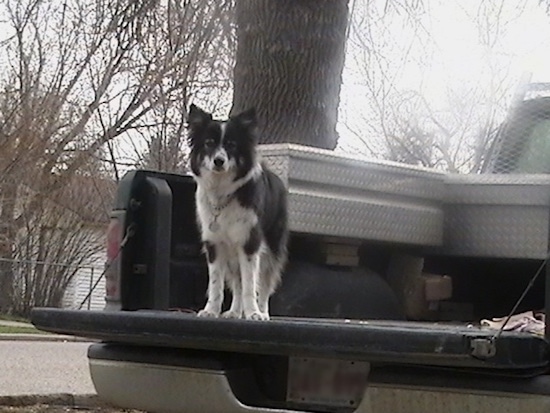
219, 164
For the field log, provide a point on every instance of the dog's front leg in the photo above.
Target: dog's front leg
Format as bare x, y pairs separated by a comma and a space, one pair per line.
215, 282
235, 311
250, 268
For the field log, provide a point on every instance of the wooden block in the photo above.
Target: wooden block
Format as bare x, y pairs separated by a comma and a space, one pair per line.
437, 287
341, 249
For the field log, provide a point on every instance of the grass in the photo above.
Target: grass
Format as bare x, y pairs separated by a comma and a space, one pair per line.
20, 330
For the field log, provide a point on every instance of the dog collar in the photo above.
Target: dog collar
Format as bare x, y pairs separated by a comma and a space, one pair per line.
220, 206
214, 225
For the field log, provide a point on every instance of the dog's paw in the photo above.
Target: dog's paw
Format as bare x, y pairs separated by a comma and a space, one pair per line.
207, 313
256, 315
231, 314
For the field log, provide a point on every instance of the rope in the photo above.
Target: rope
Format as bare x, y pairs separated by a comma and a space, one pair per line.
129, 233
521, 298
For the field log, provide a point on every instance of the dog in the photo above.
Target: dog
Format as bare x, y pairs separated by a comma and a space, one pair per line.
241, 209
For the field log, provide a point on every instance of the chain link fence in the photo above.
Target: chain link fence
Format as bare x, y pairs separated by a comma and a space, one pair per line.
38, 282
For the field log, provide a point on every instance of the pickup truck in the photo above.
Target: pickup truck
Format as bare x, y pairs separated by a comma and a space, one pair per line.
391, 268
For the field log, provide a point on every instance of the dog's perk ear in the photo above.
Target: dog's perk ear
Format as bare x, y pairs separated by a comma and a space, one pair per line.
247, 118
197, 117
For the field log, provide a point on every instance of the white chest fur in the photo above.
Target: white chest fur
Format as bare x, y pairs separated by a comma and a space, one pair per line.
220, 215
223, 221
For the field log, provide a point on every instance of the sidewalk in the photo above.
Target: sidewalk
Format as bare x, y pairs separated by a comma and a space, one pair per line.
9, 323
35, 336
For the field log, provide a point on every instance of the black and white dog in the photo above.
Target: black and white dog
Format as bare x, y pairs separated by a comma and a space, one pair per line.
241, 211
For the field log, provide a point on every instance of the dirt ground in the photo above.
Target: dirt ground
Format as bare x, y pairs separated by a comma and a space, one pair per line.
58, 403
44, 408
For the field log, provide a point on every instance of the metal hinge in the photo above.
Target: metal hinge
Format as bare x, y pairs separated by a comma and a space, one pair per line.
140, 269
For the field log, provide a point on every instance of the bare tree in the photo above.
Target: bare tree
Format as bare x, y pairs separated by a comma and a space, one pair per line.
406, 118
57, 240
78, 78
197, 38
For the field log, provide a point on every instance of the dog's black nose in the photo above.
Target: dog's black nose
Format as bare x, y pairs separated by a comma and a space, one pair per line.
218, 162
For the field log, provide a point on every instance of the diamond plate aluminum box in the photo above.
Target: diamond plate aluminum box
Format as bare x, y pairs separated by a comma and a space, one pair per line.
504, 216
350, 197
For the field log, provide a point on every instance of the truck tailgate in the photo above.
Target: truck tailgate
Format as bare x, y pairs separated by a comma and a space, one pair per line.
428, 344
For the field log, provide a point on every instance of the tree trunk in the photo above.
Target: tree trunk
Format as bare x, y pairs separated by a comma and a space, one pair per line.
8, 193
290, 57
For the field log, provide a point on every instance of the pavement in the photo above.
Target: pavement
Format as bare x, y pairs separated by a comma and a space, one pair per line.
42, 365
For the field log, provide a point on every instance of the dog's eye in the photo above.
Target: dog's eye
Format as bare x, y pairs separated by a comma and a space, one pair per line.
209, 143
230, 145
